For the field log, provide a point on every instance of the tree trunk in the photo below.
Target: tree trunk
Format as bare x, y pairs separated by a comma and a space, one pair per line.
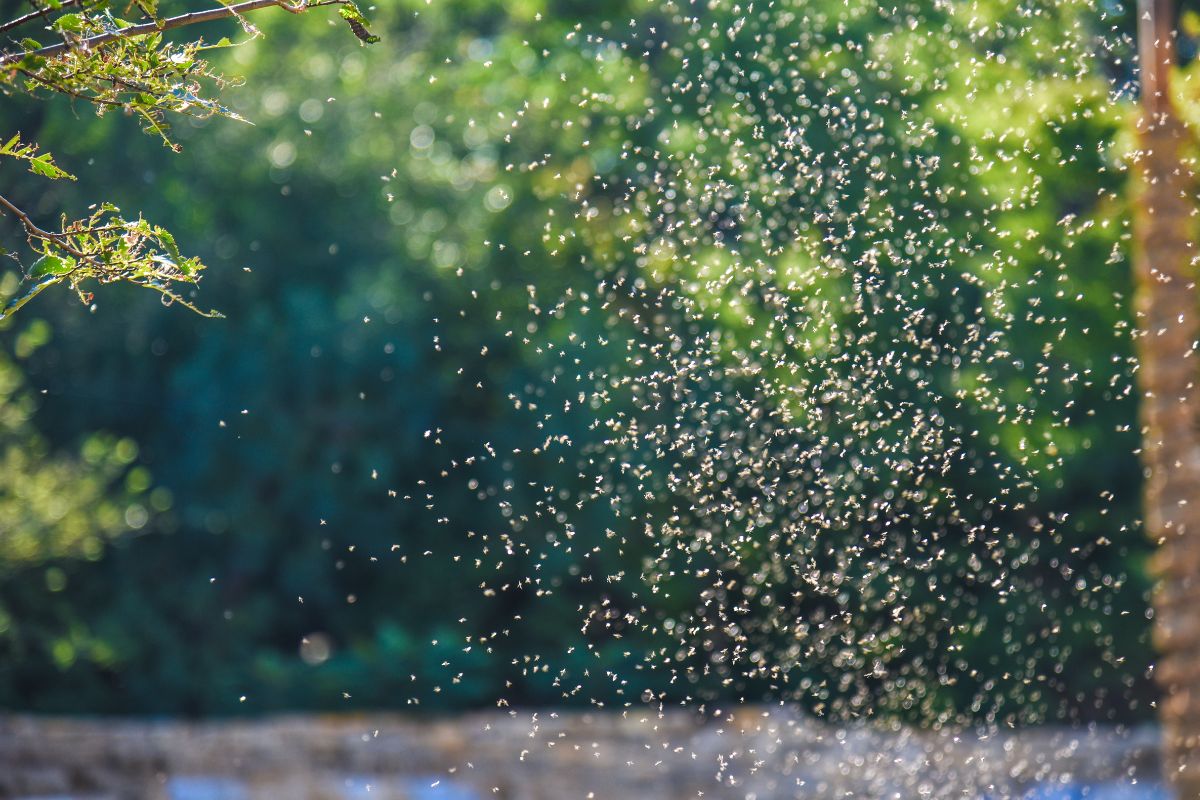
1168, 330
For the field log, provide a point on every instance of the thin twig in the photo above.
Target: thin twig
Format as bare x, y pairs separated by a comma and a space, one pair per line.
158, 26
100, 101
34, 232
30, 227
37, 12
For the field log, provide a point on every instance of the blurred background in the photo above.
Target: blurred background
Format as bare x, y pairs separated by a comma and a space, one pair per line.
190, 507
199, 517
173, 484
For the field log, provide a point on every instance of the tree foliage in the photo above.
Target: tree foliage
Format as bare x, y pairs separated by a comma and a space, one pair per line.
130, 66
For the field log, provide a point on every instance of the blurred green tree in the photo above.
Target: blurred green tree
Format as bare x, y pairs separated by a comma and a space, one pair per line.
391, 189
59, 504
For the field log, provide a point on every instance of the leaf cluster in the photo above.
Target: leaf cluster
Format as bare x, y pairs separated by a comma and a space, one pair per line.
117, 64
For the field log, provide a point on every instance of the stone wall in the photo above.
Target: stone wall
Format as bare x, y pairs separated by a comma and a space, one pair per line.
753, 753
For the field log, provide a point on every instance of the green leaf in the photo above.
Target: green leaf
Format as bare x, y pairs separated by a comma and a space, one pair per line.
33, 290
51, 265
357, 22
168, 243
73, 23
190, 267
44, 165
32, 62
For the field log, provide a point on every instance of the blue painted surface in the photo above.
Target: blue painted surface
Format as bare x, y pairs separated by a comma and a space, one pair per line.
358, 787
1097, 791
423, 789
361, 787
199, 788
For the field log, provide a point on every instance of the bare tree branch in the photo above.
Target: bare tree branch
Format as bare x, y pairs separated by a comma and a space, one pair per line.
30, 228
37, 12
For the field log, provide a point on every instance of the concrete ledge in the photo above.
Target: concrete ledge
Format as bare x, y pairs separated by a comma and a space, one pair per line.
526, 755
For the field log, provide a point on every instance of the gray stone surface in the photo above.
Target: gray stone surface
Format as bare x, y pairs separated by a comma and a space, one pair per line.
752, 754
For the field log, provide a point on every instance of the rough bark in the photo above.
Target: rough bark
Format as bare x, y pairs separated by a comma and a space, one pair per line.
1168, 330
